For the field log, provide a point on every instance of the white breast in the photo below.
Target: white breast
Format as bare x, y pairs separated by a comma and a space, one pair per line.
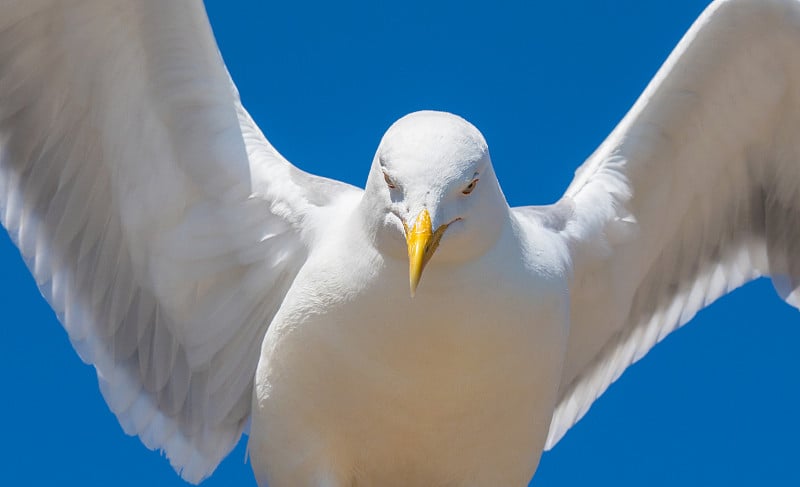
359, 384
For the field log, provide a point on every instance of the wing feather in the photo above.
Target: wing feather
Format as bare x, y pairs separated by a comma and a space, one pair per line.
159, 223
694, 194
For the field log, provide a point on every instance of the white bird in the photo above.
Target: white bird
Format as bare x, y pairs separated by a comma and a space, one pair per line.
213, 284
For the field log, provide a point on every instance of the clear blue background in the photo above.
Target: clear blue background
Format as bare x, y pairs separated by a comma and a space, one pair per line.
715, 404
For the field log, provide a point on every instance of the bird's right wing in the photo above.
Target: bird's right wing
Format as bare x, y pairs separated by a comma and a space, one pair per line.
696, 192
159, 223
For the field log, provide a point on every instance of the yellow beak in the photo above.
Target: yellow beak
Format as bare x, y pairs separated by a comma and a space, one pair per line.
422, 243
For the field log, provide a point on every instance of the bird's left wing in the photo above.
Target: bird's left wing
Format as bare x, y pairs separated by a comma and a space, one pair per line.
159, 223
695, 193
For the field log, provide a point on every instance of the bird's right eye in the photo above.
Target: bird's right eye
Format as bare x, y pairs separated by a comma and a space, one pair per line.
389, 181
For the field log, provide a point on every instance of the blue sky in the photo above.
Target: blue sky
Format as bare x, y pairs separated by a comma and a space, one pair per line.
714, 404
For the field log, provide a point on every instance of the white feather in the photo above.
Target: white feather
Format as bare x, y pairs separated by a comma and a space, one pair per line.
141, 196
706, 165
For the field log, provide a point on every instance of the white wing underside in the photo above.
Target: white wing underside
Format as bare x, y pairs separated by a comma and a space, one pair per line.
696, 192
159, 223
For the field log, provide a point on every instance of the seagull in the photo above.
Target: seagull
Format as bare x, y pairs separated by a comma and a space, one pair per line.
416, 332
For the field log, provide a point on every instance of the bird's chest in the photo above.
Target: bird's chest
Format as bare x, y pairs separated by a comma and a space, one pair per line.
473, 359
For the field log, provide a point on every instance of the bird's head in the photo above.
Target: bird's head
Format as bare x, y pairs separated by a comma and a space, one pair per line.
432, 186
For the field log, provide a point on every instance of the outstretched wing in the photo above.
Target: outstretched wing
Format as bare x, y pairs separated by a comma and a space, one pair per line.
159, 223
695, 193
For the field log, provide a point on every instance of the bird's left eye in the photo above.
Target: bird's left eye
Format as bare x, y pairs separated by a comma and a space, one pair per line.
470, 186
